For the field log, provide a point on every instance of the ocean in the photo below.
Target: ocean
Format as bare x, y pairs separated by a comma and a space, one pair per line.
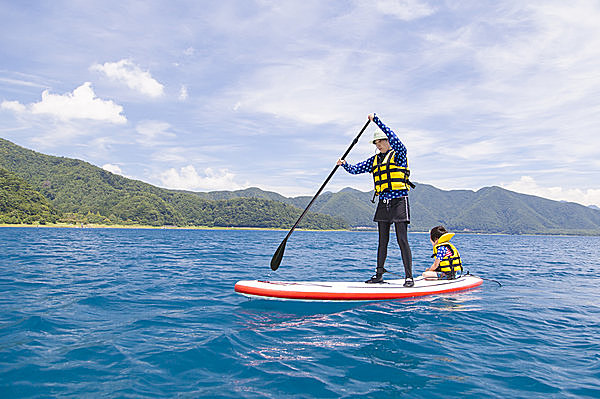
136, 313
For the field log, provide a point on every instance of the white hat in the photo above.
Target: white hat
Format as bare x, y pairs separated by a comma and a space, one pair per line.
379, 135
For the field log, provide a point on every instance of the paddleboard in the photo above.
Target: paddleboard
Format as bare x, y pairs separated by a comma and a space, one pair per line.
351, 291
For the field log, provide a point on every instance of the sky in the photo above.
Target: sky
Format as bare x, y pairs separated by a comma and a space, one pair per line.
225, 95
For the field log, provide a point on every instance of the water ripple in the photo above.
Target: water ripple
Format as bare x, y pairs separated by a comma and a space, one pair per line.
152, 313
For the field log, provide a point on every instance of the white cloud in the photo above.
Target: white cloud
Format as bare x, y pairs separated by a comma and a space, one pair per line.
125, 71
475, 150
528, 185
171, 155
405, 10
183, 93
311, 91
20, 82
153, 132
113, 169
510, 82
153, 129
82, 103
187, 178
14, 106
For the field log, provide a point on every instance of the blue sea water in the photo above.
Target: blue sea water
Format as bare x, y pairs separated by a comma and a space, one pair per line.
97, 313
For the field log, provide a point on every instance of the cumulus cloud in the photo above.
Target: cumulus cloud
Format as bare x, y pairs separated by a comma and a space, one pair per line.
125, 71
187, 178
82, 103
14, 106
113, 169
528, 185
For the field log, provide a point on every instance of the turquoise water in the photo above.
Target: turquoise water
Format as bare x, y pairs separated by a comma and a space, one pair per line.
152, 313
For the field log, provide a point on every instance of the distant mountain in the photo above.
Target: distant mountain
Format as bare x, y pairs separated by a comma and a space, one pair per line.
252, 192
82, 193
489, 210
498, 210
349, 204
594, 207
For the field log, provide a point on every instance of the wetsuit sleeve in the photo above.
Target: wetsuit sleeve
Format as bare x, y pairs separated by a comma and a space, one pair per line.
395, 142
362, 167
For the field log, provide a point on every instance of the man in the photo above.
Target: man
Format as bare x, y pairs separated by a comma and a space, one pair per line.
390, 175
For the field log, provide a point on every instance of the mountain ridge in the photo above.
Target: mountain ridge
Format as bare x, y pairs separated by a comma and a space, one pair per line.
84, 193
489, 209
81, 190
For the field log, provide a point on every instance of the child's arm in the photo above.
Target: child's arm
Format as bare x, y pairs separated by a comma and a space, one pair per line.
435, 265
442, 251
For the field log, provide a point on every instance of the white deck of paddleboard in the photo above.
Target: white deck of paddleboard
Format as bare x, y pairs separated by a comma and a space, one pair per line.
351, 291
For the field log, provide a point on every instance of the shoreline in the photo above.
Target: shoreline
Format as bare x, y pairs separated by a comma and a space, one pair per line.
128, 226
149, 227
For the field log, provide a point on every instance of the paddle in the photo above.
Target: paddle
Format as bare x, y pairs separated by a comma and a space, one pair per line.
276, 260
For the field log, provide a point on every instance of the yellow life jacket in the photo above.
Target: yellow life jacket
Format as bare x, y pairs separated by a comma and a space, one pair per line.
450, 264
389, 176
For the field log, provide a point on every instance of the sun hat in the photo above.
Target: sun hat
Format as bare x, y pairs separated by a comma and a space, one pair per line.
379, 135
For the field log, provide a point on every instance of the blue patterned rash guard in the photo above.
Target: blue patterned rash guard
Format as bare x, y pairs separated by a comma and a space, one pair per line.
367, 166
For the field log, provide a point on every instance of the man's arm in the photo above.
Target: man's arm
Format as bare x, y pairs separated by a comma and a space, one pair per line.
361, 167
395, 142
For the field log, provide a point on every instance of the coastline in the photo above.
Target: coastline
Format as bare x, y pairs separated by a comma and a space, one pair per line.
361, 230
140, 226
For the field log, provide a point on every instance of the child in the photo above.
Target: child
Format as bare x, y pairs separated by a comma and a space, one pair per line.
447, 261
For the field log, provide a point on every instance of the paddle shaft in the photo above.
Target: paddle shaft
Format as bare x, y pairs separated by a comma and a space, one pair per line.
279, 253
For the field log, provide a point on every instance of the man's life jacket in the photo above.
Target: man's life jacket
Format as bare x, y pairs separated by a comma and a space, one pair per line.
389, 176
450, 264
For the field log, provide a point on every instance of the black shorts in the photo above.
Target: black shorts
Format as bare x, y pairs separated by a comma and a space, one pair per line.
394, 210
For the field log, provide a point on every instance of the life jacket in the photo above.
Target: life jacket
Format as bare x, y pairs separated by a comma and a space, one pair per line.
450, 264
389, 176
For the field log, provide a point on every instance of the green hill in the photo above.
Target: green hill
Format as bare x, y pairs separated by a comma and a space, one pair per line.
20, 203
83, 193
351, 205
77, 191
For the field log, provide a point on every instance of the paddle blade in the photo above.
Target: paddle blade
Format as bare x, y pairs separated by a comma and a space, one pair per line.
276, 260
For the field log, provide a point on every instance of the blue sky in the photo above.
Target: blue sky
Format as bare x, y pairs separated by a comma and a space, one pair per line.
205, 95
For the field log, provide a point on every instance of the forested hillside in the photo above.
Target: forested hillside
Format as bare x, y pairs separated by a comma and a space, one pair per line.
83, 193
44, 188
490, 210
20, 203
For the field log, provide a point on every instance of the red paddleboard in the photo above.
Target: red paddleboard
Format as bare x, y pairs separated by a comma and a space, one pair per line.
351, 291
